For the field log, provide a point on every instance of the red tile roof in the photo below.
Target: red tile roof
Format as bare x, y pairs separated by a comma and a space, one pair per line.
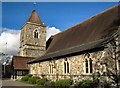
34, 18
20, 63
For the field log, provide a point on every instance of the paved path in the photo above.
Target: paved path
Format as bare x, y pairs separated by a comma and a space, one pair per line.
14, 83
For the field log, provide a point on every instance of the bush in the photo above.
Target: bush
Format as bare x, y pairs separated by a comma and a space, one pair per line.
49, 84
29, 75
36, 77
41, 81
63, 83
25, 78
32, 80
85, 84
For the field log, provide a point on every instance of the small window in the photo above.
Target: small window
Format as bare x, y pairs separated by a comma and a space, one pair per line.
86, 65
66, 67
25, 73
51, 69
35, 34
19, 73
90, 65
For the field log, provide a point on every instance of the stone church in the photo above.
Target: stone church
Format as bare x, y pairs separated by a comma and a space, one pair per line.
89, 48
32, 45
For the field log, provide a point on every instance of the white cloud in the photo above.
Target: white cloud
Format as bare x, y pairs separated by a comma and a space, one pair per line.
12, 37
51, 31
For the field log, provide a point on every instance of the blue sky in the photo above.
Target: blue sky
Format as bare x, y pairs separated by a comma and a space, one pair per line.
56, 14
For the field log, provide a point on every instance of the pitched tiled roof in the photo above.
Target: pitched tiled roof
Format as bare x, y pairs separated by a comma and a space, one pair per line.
85, 34
93, 29
20, 63
34, 18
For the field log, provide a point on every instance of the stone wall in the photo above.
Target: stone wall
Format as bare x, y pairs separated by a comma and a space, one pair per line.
76, 67
102, 61
30, 46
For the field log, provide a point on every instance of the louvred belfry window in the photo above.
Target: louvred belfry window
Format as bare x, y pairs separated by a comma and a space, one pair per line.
35, 34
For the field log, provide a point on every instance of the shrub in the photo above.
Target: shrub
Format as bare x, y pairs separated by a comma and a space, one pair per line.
49, 84
29, 75
85, 84
41, 81
25, 78
36, 77
33, 80
63, 83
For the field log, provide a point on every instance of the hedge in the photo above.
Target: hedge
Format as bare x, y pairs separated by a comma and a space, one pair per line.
25, 78
41, 81
85, 84
33, 80
29, 75
63, 83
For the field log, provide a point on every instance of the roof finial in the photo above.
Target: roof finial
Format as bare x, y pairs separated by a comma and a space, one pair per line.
34, 5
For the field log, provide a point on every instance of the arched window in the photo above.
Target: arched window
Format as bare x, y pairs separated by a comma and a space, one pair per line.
35, 34
51, 69
66, 67
86, 65
51, 66
90, 65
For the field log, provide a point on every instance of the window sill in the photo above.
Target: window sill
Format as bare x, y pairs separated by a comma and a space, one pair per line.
87, 73
66, 74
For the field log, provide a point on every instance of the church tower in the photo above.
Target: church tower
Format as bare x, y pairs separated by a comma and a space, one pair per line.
33, 37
